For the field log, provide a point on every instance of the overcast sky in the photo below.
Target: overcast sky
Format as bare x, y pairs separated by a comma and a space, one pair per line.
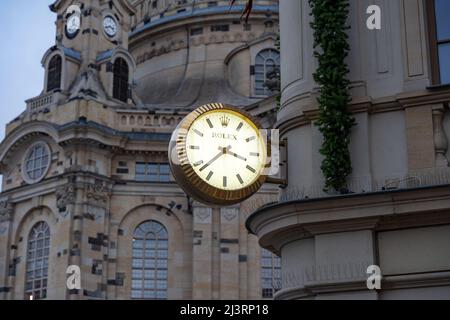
27, 30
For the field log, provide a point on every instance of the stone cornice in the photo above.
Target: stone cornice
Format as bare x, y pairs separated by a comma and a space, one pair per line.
309, 291
309, 112
84, 132
416, 280
199, 15
65, 187
281, 223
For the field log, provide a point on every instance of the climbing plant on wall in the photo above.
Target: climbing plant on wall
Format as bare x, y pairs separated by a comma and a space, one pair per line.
335, 121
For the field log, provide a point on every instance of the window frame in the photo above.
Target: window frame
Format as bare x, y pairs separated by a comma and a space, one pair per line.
256, 89
434, 44
145, 279
32, 259
121, 79
25, 174
145, 176
54, 74
275, 265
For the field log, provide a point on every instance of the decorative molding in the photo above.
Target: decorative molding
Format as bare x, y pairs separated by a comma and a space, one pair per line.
320, 275
65, 196
180, 44
388, 283
202, 215
308, 111
6, 210
343, 226
351, 212
97, 193
229, 214
416, 280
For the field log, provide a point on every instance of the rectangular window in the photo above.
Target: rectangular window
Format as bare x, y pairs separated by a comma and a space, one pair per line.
270, 274
220, 28
196, 31
153, 172
439, 22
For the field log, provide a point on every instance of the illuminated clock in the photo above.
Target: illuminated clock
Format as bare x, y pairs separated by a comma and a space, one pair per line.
110, 26
218, 155
73, 25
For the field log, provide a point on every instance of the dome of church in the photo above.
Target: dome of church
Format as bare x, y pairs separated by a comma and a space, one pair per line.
190, 53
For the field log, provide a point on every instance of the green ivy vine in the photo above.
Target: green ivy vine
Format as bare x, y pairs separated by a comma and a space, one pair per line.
335, 121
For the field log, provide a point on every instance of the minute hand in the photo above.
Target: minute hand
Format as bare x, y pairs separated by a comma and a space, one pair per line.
222, 152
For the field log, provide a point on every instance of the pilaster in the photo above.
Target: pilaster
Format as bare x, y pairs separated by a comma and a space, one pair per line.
6, 215
202, 253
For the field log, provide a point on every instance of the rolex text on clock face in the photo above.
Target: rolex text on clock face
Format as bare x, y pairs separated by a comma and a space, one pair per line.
226, 149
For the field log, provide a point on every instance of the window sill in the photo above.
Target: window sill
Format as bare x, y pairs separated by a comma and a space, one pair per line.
437, 87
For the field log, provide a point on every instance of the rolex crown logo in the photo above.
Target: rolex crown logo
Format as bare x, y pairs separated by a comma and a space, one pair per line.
225, 121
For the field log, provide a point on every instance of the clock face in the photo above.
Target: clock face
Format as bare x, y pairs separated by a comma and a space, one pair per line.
222, 155
73, 25
225, 149
110, 26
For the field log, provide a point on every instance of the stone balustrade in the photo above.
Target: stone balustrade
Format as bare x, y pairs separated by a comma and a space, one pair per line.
145, 120
41, 102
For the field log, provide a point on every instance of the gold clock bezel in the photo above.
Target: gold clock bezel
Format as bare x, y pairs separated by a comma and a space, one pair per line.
185, 174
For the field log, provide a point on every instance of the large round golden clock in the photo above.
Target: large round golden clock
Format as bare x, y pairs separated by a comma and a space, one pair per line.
218, 155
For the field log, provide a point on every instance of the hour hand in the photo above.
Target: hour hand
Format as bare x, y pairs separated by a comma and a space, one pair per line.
236, 156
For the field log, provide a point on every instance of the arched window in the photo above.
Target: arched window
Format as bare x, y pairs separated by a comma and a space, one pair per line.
37, 262
267, 62
120, 84
54, 73
270, 274
150, 256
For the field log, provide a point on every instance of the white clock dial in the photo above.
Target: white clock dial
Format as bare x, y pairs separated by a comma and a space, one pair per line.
226, 150
110, 26
73, 24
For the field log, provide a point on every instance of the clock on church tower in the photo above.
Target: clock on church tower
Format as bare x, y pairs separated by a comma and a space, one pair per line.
105, 22
92, 55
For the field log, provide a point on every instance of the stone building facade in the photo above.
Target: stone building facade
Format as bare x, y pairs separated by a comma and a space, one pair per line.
85, 175
397, 215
